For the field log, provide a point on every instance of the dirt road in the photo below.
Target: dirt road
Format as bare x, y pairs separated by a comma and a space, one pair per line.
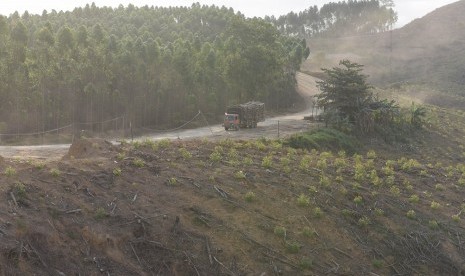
276, 127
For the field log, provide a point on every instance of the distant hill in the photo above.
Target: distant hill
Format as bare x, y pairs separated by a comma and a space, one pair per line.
430, 50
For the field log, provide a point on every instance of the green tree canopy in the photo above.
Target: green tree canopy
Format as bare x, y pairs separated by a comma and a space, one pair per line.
349, 104
152, 65
45, 36
19, 33
339, 18
345, 90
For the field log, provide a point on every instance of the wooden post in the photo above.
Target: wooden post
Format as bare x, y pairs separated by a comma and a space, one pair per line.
278, 129
124, 136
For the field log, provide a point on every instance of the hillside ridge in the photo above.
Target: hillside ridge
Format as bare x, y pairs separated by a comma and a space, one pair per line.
429, 50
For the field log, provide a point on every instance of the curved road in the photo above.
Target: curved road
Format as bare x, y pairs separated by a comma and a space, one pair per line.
272, 128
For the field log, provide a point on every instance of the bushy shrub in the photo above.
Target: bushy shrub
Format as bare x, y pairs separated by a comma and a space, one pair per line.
324, 139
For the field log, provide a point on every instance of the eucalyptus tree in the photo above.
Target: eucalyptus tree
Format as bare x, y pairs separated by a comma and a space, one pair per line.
153, 65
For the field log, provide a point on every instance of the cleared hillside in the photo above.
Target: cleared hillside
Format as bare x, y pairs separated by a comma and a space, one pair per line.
430, 50
235, 207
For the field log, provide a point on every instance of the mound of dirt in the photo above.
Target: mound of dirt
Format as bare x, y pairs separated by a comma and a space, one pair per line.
89, 148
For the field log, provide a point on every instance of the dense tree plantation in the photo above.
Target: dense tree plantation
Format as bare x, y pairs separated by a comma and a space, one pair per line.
155, 66
340, 18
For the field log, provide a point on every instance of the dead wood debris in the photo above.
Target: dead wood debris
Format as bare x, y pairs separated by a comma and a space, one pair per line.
416, 249
73, 211
221, 192
14, 198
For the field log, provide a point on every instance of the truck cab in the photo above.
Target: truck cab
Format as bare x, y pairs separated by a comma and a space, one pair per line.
231, 121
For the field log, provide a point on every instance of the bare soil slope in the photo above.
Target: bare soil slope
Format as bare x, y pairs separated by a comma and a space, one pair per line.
235, 208
428, 50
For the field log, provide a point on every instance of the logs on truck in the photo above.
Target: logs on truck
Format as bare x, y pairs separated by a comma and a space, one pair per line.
244, 115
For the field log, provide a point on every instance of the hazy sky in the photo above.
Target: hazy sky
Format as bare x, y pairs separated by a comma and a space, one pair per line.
407, 10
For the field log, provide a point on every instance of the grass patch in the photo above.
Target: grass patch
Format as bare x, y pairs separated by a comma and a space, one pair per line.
172, 181
20, 189
10, 171
433, 224
307, 232
324, 139
55, 172
250, 196
293, 247
117, 172
280, 231
377, 263
303, 200
138, 162
239, 175
305, 264
120, 156
411, 214
100, 213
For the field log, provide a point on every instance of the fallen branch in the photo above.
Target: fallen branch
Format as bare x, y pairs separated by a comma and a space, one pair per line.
221, 191
51, 224
160, 245
334, 268
204, 220
174, 229
230, 272
14, 199
37, 254
458, 238
208, 250
89, 192
72, 174
60, 273
87, 246
314, 231
196, 185
134, 198
190, 261
20, 249
191, 180
141, 217
73, 211
41, 180
127, 223
342, 252
393, 266
113, 210
135, 253
157, 243
281, 260
270, 250
137, 220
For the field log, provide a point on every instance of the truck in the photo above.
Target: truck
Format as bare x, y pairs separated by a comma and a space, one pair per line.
245, 115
